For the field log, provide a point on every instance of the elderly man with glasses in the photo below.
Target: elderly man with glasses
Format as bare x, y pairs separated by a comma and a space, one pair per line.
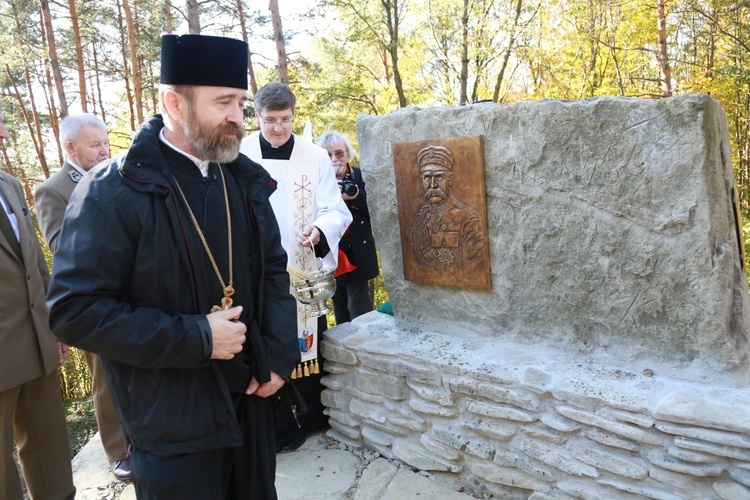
312, 217
352, 298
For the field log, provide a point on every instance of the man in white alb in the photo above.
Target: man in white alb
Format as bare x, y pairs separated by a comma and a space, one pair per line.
311, 215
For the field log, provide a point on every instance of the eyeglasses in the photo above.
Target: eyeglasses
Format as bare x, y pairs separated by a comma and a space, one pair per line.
283, 123
339, 153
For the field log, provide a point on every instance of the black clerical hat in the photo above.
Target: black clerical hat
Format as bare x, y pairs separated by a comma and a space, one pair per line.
203, 60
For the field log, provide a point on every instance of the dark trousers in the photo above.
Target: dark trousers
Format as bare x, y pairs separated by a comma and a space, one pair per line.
351, 300
201, 475
242, 473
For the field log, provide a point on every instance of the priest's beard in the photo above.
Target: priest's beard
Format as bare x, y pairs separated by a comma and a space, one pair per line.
212, 144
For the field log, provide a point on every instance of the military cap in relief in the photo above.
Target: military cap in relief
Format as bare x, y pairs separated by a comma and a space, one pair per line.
435, 156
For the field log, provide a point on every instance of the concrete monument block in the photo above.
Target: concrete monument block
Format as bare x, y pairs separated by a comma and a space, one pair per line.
608, 358
611, 228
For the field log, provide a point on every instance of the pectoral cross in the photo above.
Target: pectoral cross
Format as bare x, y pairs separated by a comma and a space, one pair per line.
226, 300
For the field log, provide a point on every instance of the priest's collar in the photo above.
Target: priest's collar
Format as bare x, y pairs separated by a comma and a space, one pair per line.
283, 152
201, 164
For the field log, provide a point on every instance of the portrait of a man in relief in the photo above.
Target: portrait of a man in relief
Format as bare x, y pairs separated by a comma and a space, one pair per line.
442, 211
446, 232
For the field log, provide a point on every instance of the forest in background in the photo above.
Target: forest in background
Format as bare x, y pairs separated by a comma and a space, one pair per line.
347, 57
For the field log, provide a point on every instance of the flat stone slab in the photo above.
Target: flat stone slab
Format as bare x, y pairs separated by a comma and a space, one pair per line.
312, 473
407, 484
319, 470
92, 477
375, 479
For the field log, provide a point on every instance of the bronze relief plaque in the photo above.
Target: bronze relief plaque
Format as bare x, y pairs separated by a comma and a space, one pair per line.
442, 208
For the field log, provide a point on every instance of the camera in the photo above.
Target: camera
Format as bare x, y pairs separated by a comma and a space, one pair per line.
347, 186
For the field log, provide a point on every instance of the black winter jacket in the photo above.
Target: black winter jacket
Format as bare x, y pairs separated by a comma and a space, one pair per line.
358, 243
126, 286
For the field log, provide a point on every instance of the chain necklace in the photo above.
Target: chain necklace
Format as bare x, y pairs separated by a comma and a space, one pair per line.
227, 289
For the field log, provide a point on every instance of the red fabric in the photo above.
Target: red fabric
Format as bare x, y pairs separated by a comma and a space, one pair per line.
344, 265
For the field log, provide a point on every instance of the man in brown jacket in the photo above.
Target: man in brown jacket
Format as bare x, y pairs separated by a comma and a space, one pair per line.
31, 407
83, 137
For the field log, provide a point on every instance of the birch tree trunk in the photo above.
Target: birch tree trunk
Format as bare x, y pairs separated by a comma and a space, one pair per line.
193, 16
53, 60
666, 73
36, 130
392, 21
168, 15
22, 107
278, 35
134, 63
506, 56
243, 27
464, 74
8, 164
98, 86
711, 51
50, 99
125, 71
79, 55
37, 125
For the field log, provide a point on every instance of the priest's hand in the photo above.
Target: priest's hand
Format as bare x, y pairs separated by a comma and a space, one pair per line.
227, 334
63, 351
309, 236
267, 389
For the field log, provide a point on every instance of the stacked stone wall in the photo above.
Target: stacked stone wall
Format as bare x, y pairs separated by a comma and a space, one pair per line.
610, 357
504, 421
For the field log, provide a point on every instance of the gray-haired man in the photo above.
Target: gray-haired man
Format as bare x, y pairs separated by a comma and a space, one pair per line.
85, 141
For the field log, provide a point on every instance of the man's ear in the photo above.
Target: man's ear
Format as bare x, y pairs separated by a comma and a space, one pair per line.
175, 105
69, 149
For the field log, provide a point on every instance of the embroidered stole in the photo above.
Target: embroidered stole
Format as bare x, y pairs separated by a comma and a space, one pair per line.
293, 204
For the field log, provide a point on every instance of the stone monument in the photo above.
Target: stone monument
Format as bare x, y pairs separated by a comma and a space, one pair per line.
610, 356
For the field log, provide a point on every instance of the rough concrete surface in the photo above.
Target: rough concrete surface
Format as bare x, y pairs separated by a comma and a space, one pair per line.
611, 226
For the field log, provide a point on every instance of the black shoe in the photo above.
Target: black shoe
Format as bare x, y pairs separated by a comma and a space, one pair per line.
121, 470
289, 447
